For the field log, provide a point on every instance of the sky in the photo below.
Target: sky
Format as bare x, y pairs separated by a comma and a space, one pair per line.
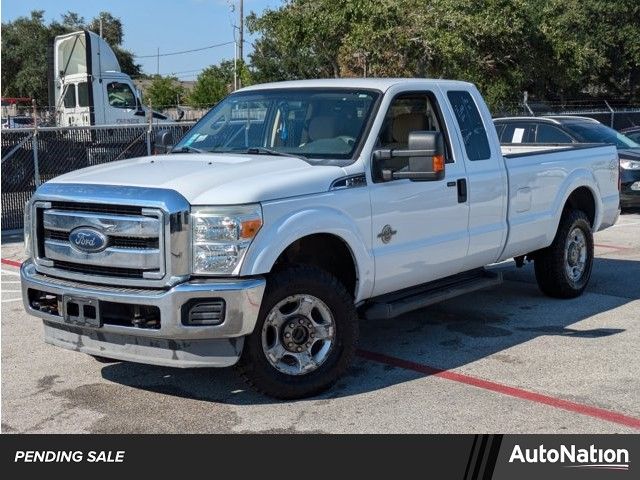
170, 25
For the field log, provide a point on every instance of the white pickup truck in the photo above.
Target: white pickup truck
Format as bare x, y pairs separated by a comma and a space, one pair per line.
293, 209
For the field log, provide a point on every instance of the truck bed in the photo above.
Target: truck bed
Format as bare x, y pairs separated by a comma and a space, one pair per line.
540, 178
515, 150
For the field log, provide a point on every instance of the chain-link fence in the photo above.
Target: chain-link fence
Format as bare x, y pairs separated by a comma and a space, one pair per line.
33, 156
610, 113
24, 116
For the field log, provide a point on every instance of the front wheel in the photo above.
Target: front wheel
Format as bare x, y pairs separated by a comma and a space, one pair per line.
563, 269
305, 336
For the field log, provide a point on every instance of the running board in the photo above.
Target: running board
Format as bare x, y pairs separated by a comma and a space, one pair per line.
394, 304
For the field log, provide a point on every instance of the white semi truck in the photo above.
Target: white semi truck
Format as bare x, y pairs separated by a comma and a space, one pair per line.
88, 86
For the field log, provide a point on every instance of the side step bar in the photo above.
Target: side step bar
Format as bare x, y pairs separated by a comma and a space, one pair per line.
397, 303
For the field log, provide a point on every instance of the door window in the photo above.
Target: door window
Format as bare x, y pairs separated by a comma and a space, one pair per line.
551, 134
120, 95
83, 94
70, 96
408, 113
474, 135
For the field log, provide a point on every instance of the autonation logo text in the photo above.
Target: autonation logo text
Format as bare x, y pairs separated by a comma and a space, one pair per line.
573, 457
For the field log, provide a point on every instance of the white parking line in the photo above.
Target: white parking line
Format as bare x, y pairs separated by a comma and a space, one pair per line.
11, 291
9, 272
10, 281
625, 224
11, 300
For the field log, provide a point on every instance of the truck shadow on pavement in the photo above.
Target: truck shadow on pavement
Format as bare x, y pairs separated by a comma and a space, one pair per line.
455, 333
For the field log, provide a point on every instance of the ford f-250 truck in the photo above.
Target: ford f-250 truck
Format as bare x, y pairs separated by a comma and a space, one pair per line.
293, 209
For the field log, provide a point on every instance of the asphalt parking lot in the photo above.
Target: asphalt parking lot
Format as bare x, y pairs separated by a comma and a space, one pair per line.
506, 359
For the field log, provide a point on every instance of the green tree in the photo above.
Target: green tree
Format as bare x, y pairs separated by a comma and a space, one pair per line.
596, 44
73, 21
301, 39
209, 89
163, 92
216, 82
112, 30
554, 49
24, 57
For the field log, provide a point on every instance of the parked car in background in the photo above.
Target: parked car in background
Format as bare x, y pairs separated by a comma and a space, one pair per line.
562, 130
633, 133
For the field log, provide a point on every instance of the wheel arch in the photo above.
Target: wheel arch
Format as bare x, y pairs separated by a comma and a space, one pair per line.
580, 192
308, 229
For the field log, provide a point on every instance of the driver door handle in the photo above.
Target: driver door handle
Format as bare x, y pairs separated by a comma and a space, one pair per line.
462, 190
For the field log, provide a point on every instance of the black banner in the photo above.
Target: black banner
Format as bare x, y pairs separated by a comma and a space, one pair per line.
467, 457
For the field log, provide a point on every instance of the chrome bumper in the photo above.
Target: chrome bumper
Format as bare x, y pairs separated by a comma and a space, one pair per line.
173, 344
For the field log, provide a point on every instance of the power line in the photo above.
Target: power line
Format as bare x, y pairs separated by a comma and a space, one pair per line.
184, 71
185, 51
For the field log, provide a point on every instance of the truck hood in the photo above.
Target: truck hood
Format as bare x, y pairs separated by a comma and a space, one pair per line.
214, 179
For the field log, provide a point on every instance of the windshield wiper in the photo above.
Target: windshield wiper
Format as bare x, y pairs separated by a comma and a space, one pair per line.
269, 151
188, 149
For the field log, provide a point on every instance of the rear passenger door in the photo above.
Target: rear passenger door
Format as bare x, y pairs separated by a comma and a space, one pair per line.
486, 177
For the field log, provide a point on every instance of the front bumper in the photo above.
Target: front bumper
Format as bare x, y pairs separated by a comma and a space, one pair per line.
172, 344
629, 188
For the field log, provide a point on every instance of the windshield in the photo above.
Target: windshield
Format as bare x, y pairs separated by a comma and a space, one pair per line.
317, 124
598, 133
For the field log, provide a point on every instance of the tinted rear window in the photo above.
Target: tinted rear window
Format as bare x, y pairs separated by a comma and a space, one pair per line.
551, 134
474, 134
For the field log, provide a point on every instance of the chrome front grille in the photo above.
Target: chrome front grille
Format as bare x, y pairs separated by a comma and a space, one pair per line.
122, 242
144, 234
133, 242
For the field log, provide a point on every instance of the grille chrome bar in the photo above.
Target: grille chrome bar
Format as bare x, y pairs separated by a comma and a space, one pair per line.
171, 240
112, 225
134, 258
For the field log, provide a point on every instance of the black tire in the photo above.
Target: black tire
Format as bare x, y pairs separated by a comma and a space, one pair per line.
257, 369
100, 359
550, 264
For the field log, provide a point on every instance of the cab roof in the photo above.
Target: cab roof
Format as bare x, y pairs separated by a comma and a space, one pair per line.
556, 119
381, 84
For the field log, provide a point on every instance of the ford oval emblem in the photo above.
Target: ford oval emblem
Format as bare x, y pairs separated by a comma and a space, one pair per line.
88, 240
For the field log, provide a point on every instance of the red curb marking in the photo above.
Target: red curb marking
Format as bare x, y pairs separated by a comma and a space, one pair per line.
590, 411
595, 412
13, 263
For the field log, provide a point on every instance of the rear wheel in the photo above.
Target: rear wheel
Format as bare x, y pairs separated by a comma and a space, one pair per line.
563, 269
305, 336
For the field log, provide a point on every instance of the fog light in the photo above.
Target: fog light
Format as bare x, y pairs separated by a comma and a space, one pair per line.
200, 313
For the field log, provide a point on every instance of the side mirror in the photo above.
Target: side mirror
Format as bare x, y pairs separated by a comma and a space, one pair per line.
425, 158
163, 142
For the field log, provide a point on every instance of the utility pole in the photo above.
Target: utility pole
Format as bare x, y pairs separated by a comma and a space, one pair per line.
158, 62
235, 66
241, 25
100, 26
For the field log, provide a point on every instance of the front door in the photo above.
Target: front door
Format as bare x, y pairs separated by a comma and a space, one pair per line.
420, 229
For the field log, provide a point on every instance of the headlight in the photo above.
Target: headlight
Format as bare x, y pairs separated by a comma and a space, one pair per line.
630, 164
221, 237
27, 230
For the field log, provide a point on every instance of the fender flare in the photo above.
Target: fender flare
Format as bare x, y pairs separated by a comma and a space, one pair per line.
276, 236
578, 179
